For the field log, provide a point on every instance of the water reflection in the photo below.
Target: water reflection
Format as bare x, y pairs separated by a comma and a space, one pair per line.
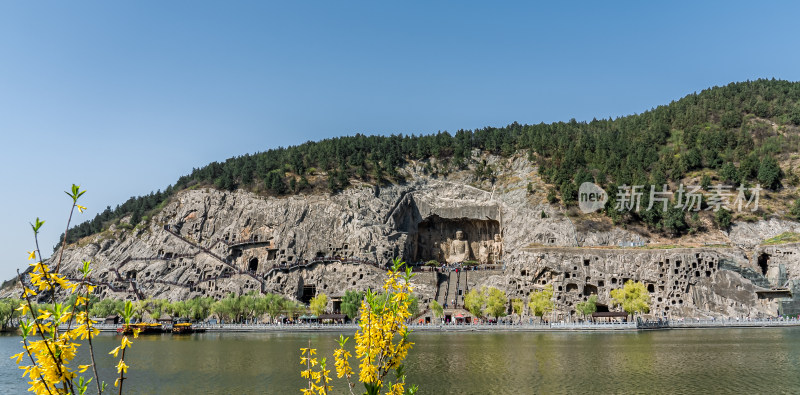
677, 361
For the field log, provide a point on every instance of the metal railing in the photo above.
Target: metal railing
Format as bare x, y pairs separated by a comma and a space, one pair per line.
745, 322
531, 326
501, 326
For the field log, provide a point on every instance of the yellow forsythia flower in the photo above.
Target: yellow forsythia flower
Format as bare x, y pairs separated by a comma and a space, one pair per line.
122, 367
18, 357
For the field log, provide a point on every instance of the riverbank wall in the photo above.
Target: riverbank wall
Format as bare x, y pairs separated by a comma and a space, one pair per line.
508, 327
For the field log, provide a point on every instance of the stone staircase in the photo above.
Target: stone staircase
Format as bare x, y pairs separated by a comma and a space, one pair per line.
443, 283
450, 289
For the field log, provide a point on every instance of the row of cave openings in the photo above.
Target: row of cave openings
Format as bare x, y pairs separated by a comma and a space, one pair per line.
305, 291
232, 239
681, 275
252, 264
665, 295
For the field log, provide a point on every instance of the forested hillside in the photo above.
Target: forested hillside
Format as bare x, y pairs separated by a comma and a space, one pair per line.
740, 133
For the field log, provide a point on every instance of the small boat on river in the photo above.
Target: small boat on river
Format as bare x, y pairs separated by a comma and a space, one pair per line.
185, 328
144, 328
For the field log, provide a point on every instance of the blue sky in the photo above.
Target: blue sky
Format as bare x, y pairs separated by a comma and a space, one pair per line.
125, 97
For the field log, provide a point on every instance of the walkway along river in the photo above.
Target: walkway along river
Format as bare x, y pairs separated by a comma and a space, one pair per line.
502, 327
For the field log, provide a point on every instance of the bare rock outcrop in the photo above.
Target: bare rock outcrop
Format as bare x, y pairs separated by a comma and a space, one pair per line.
750, 234
206, 242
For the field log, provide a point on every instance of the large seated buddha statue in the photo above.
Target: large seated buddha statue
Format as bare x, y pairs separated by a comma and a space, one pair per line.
459, 249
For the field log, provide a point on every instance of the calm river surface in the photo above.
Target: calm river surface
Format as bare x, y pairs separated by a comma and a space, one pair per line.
675, 361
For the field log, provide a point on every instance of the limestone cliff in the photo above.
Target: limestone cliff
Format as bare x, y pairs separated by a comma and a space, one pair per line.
207, 242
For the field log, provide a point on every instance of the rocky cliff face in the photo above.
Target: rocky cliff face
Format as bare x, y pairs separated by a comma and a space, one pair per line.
682, 282
210, 243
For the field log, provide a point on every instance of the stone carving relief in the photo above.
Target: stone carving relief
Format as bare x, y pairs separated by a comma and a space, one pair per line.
459, 249
491, 251
497, 249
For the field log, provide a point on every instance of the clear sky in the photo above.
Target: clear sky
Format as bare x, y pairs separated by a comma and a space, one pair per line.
125, 97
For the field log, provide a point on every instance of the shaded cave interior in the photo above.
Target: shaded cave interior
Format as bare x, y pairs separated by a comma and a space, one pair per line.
253, 265
763, 263
307, 292
434, 237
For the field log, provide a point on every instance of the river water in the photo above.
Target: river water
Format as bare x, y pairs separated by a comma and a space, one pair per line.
679, 361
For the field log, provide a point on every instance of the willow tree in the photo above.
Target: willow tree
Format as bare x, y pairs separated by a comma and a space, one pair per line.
437, 309
588, 307
541, 302
486, 302
496, 302
633, 297
474, 302
351, 301
517, 306
318, 304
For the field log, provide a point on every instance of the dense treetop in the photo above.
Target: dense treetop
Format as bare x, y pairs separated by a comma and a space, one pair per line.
733, 130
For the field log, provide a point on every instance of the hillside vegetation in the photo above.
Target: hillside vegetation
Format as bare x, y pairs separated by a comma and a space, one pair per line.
746, 132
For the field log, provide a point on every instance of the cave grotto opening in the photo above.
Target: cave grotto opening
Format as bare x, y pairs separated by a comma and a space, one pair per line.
763, 263
454, 240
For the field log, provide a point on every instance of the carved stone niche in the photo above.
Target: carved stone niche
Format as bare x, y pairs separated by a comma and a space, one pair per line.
454, 240
459, 249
